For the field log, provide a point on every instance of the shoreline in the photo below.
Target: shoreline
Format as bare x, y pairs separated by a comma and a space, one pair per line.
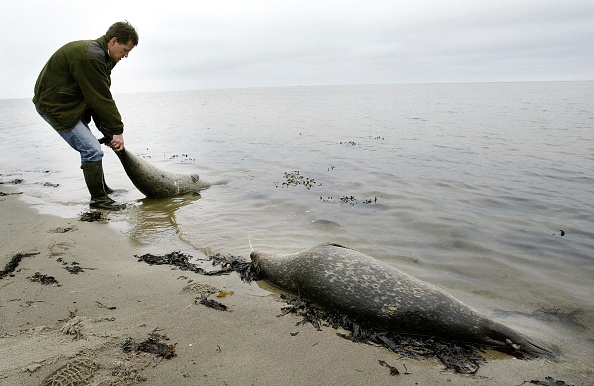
80, 324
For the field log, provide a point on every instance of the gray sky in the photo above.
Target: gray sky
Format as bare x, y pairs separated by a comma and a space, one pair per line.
186, 45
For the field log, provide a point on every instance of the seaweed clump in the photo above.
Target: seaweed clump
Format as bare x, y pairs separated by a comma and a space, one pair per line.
43, 279
92, 216
460, 357
550, 381
14, 263
227, 264
152, 345
210, 303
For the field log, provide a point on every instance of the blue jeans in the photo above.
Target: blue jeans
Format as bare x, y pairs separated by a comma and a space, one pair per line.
82, 140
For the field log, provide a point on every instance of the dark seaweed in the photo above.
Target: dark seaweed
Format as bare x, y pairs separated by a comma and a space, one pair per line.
393, 369
43, 279
74, 269
204, 300
295, 178
180, 260
151, 345
247, 272
92, 216
550, 381
460, 357
14, 263
228, 264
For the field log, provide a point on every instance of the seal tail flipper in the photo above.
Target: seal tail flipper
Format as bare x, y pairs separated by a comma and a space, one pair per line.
500, 335
534, 347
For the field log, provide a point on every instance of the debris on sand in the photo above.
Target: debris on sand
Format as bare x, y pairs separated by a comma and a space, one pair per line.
93, 216
550, 381
204, 300
43, 279
393, 369
460, 357
182, 261
152, 345
14, 263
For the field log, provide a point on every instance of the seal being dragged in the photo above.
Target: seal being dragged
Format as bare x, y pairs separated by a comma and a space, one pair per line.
378, 295
154, 182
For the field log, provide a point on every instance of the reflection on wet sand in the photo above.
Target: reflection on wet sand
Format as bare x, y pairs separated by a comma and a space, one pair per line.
154, 221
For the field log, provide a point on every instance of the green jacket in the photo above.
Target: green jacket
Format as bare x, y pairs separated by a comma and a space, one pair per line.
74, 85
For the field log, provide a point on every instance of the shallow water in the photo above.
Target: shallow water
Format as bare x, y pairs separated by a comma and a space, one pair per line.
467, 186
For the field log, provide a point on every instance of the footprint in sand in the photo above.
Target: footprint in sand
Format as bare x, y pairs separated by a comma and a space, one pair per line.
78, 372
59, 249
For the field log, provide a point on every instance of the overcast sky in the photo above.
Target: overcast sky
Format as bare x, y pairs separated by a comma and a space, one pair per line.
187, 45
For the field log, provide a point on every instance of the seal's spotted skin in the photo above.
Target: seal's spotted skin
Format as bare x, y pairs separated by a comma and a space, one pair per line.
379, 295
154, 182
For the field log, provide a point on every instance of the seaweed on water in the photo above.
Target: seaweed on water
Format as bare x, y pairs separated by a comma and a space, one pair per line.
568, 318
14, 263
295, 178
554, 314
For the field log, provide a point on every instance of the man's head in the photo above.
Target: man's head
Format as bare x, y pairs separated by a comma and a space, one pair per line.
121, 38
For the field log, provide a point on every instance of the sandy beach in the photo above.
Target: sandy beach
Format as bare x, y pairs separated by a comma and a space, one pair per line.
74, 332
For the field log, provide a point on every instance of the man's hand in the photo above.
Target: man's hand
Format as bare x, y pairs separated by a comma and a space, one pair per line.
117, 142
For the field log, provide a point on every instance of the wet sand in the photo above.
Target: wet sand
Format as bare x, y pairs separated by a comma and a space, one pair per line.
75, 329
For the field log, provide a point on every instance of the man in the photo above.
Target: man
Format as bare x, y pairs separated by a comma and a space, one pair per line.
73, 87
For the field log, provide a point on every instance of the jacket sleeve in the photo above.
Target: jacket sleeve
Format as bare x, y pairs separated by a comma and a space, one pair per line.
93, 79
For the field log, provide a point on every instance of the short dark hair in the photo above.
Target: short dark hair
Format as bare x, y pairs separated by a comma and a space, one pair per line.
123, 31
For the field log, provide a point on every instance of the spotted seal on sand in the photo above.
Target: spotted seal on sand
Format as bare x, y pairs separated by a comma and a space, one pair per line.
379, 295
154, 182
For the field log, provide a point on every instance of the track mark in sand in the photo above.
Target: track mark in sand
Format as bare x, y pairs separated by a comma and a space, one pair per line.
79, 372
59, 249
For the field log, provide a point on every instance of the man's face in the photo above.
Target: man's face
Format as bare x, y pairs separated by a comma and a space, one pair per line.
117, 50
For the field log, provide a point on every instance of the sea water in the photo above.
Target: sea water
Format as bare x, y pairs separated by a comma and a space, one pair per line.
483, 189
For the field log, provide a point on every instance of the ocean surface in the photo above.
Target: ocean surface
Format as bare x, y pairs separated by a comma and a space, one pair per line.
485, 190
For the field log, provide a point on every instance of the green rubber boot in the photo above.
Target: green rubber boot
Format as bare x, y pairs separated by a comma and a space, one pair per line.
93, 172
